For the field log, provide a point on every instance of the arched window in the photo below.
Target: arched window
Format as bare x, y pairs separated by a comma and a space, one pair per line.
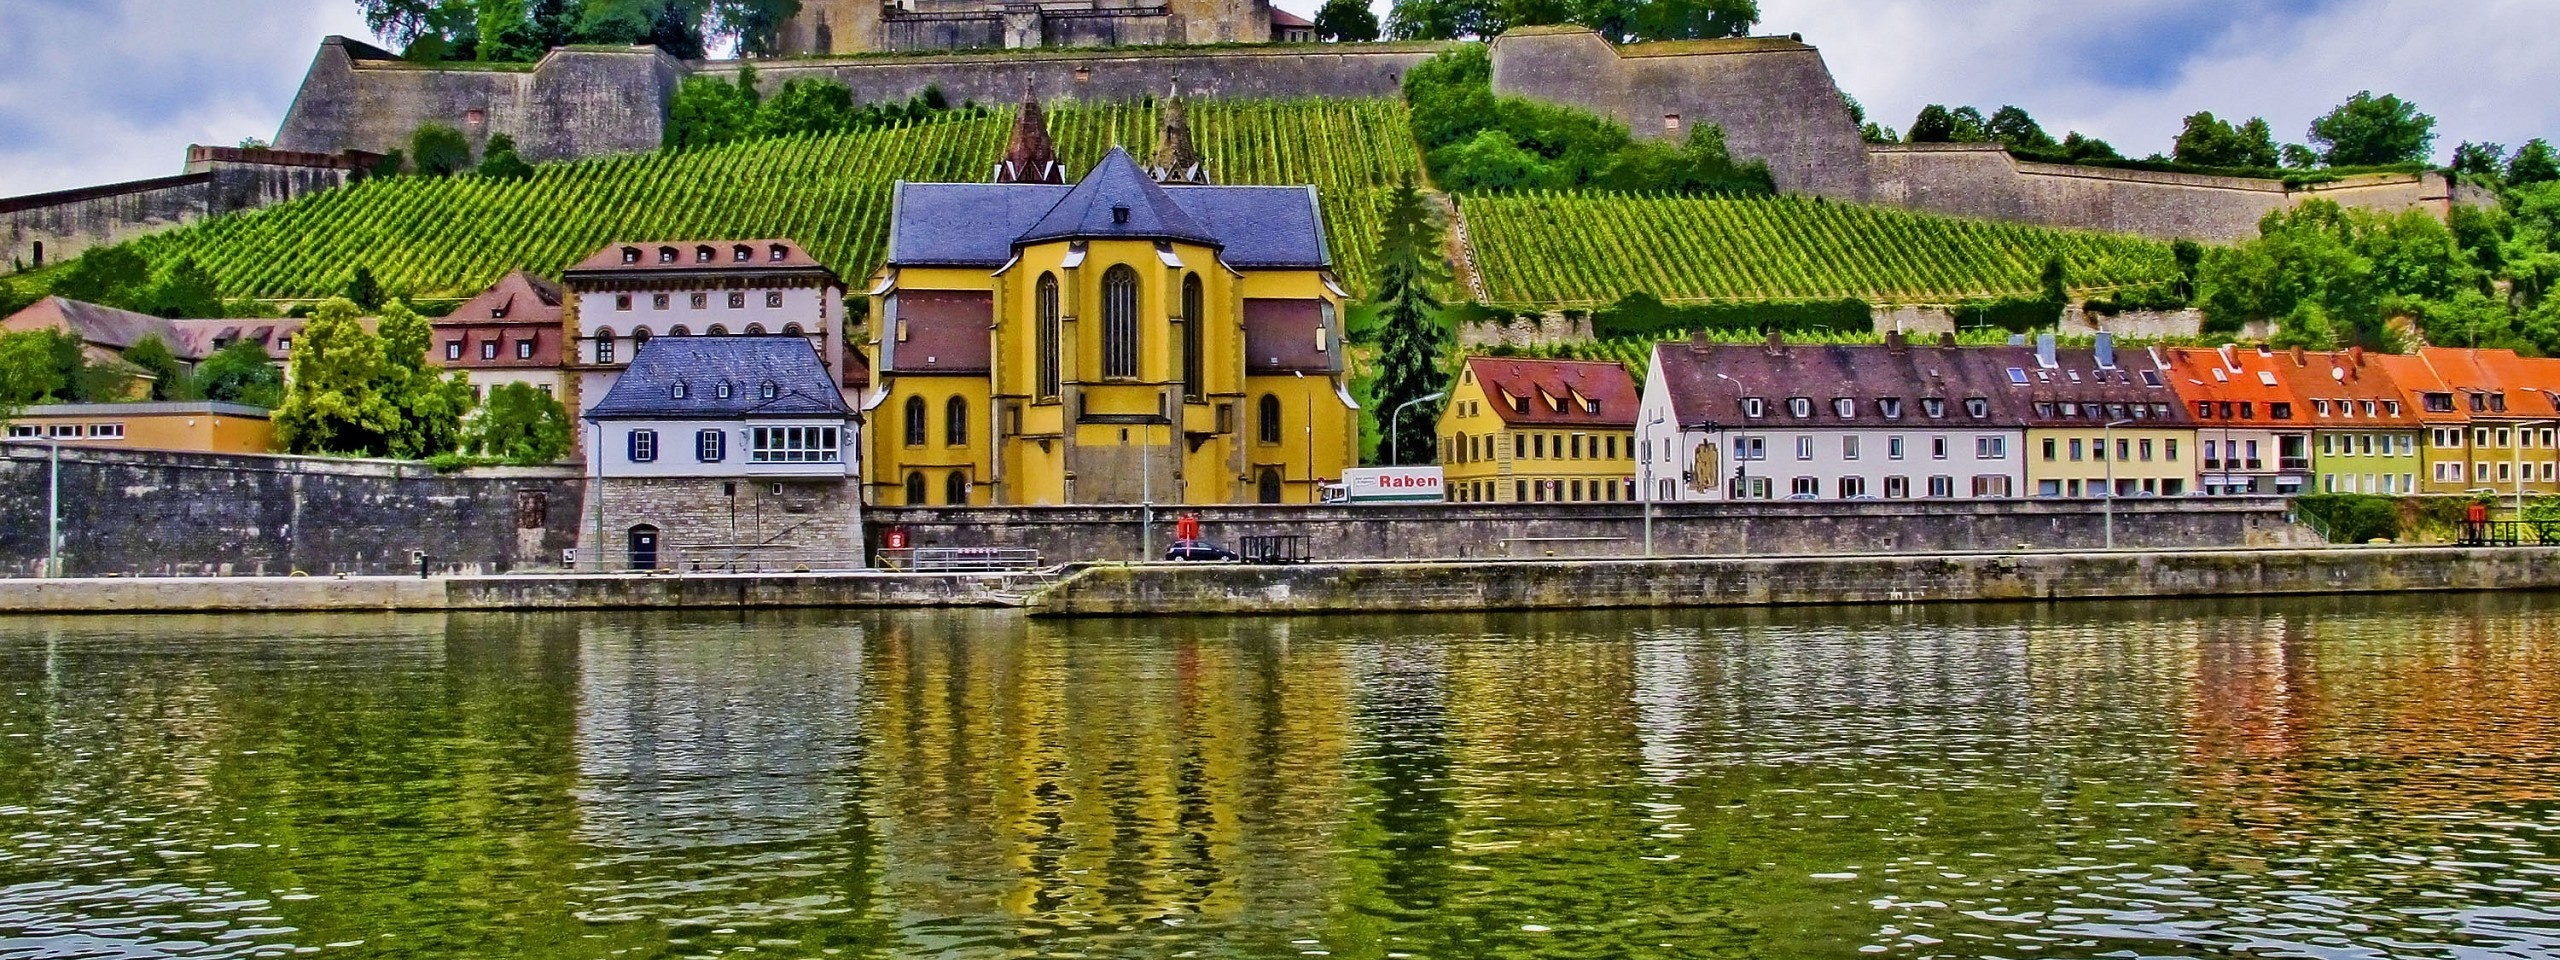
755, 329
915, 488
1193, 387
639, 336
1270, 419
790, 329
679, 330
1120, 322
717, 330
955, 488
1267, 488
1050, 335
955, 422
915, 421
604, 344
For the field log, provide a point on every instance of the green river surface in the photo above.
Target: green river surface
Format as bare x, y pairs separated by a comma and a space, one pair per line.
2330, 778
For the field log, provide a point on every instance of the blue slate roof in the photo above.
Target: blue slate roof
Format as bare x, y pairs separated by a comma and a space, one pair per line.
646, 390
981, 224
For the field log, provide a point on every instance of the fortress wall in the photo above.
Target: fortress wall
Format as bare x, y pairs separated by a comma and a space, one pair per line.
72, 221
1984, 181
1774, 97
1365, 70
577, 102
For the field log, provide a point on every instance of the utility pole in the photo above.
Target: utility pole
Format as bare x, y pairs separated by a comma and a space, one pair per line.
1647, 493
1146, 493
1396, 419
53, 516
2109, 452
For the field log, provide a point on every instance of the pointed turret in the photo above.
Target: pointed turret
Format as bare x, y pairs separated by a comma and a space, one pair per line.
1176, 159
1029, 155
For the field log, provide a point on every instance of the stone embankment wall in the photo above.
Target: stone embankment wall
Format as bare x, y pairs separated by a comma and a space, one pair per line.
1780, 581
51, 227
1615, 530
155, 513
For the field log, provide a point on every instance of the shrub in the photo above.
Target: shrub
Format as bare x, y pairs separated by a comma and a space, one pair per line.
2352, 517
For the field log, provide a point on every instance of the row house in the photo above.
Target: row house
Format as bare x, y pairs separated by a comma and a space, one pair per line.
2490, 420
2366, 436
2256, 441
1518, 430
1829, 422
2099, 420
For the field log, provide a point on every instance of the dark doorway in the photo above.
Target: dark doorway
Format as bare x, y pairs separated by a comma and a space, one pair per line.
644, 547
1267, 490
39, 253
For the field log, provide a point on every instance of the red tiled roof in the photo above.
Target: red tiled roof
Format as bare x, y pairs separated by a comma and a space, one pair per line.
941, 331
2234, 375
1280, 336
98, 325
1283, 18
688, 257
2522, 381
518, 297
2346, 379
1557, 392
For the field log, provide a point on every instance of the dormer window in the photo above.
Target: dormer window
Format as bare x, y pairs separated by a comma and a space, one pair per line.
2044, 410
742, 253
1120, 214
769, 390
2321, 407
779, 253
678, 391
631, 254
1891, 407
1591, 406
721, 391
1754, 407
1977, 407
1800, 406
1844, 407
702, 254
666, 254
1934, 407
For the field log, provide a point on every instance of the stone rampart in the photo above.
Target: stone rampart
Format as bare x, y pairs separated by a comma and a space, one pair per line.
51, 227
577, 102
158, 513
1613, 530
1984, 181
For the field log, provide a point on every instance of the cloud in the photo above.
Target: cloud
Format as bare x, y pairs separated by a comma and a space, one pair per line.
2129, 70
97, 91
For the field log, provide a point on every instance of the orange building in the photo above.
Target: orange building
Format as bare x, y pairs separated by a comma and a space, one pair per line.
187, 427
2254, 438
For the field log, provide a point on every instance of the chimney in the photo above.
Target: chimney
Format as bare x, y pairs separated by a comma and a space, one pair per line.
1699, 342
2106, 351
2355, 360
2297, 355
1777, 343
1895, 342
2044, 352
2017, 339
1946, 339
2230, 361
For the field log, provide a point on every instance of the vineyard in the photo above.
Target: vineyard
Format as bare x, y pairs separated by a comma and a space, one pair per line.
452, 237
1585, 249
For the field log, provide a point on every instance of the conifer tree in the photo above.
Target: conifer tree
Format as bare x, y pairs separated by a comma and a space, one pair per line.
1413, 339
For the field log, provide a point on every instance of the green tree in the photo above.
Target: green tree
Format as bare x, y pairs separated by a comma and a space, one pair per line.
2208, 141
336, 403
1414, 339
240, 373
804, 105
2371, 131
756, 25
1346, 21
520, 425
675, 26
2535, 162
363, 291
1436, 19
153, 357
710, 110
1938, 124
2480, 162
39, 366
183, 289
1687, 19
2080, 149
501, 162
113, 276
431, 403
439, 150
2012, 126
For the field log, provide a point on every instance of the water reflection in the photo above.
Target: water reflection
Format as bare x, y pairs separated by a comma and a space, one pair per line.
2319, 778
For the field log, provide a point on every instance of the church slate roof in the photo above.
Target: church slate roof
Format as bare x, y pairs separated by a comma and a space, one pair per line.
646, 390
982, 224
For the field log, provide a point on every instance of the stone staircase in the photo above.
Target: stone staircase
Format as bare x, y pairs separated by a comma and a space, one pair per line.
1461, 248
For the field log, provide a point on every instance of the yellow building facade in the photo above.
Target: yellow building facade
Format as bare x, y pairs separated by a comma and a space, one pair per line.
1539, 431
1117, 341
188, 427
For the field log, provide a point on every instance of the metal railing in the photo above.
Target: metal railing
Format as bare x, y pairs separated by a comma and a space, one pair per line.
2509, 533
1273, 548
960, 559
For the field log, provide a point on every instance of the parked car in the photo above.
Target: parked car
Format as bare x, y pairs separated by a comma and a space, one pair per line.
1200, 550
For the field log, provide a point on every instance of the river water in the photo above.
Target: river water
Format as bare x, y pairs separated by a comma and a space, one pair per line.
2333, 778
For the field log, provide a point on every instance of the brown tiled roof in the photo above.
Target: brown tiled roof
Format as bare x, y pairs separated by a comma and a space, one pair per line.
687, 258
1029, 155
518, 297
1283, 18
1557, 392
95, 324
2077, 391
203, 337
941, 331
2347, 379
1280, 336
1824, 373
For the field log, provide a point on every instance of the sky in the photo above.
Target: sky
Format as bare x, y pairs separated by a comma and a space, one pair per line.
97, 91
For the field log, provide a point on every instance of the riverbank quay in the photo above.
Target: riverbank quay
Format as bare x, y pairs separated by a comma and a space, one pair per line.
1159, 589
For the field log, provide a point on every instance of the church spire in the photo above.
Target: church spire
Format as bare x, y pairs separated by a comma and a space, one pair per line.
1177, 160
1029, 155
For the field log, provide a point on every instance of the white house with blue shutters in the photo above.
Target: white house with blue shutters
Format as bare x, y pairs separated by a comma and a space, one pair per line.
731, 452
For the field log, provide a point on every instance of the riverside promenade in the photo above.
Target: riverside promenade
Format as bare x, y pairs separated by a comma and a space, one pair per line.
1156, 589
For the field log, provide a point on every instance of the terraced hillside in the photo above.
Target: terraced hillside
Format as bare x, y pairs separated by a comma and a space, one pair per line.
440, 237
1568, 249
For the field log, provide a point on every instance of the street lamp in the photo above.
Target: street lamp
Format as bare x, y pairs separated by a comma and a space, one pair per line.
2108, 505
1396, 419
1647, 493
1741, 457
53, 512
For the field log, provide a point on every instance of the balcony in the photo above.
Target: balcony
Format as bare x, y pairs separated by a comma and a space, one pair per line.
2293, 463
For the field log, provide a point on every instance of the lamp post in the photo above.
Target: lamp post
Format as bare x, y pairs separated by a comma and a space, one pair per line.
53, 514
2108, 505
1395, 420
1648, 493
1741, 456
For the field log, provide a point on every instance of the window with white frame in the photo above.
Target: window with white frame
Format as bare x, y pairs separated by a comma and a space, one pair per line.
643, 446
794, 445
1804, 448
710, 446
1990, 448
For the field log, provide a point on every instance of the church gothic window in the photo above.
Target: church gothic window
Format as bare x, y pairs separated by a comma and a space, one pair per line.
955, 422
915, 422
1270, 419
1050, 335
1192, 386
1120, 322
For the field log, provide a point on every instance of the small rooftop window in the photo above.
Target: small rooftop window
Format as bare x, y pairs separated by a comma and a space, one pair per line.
702, 254
1800, 406
1754, 407
2018, 375
1845, 407
1119, 214
631, 254
769, 390
1934, 407
1977, 407
780, 253
742, 253
1891, 407
721, 391
678, 391
666, 254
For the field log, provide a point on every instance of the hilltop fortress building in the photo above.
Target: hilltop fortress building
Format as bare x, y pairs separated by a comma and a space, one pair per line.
1773, 96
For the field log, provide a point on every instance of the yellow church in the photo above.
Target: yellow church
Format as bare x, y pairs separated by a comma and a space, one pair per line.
1138, 336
